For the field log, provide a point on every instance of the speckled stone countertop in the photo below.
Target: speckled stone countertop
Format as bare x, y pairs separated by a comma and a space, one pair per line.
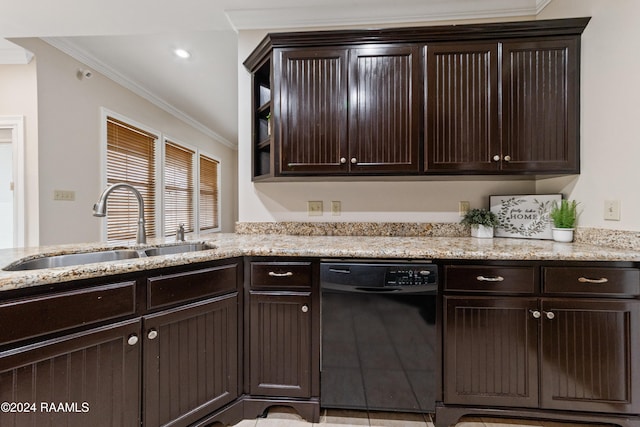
231, 245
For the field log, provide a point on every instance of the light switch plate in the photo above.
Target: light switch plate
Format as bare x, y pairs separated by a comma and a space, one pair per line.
612, 210
64, 195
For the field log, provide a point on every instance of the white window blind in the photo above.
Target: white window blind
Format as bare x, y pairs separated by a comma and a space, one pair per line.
209, 218
178, 188
130, 159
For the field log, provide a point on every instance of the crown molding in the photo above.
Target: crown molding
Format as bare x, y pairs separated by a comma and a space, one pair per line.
307, 17
67, 46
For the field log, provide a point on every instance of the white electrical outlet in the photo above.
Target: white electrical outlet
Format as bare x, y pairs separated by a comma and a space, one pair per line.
336, 208
314, 208
612, 210
463, 207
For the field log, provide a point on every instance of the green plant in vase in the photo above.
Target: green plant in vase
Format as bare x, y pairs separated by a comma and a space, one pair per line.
564, 216
482, 222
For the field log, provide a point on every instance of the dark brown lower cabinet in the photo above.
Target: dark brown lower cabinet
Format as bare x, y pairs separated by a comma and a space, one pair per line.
280, 344
490, 351
590, 355
190, 361
568, 354
90, 378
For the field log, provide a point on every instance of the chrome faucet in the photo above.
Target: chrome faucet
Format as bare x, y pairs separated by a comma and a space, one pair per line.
100, 208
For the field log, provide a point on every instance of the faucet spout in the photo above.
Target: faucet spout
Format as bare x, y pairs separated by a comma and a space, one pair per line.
100, 208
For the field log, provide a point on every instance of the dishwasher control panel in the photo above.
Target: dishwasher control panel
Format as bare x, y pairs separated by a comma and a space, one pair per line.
381, 275
408, 275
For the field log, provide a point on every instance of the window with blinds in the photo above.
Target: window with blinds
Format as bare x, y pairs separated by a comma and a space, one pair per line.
130, 159
209, 218
178, 188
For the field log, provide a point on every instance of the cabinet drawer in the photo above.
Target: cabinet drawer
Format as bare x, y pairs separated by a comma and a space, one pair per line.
182, 287
591, 280
276, 275
35, 316
491, 279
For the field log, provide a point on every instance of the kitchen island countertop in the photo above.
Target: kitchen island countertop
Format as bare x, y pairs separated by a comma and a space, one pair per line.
228, 245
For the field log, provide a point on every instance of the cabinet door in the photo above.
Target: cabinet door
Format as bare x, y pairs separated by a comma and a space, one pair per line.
312, 106
490, 351
384, 109
85, 379
190, 361
461, 109
591, 355
280, 344
540, 105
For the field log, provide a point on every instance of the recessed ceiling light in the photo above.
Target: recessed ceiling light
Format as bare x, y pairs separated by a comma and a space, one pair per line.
181, 53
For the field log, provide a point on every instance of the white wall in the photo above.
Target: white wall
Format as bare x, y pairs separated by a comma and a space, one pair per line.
610, 157
610, 113
69, 144
382, 200
18, 97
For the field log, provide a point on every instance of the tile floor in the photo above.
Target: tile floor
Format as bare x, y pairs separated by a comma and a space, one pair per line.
286, 417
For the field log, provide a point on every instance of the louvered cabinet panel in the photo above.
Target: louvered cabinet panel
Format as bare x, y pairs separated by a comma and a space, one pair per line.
384, 113
590, 352
190, 361
313, 110
490, 351
461, 114
94, 375
280, 344
540, 105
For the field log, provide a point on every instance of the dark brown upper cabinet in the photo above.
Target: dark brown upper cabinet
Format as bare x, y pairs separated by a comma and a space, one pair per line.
346, 111
445, 100
534, 101
540, 105
461, 124
312, 107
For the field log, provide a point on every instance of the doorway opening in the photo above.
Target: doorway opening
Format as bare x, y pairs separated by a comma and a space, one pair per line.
12, 218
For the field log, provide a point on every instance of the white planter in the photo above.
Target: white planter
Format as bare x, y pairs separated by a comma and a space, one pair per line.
481, 231
564, 235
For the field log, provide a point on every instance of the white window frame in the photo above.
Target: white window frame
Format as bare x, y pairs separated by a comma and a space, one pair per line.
158, 149
159, 178
219, 180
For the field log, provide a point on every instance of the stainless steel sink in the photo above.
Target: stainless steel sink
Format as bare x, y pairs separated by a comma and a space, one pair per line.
73, 259
177, 249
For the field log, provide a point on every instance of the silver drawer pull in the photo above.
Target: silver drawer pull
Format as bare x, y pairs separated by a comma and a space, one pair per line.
274, 274
490, 279
587, 280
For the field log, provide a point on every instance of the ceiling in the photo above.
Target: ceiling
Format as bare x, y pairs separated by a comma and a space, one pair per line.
135, 48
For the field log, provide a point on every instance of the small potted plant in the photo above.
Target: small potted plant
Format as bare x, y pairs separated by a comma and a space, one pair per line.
564, 216
482, 222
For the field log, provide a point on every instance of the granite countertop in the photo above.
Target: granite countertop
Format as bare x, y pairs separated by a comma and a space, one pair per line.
232, 245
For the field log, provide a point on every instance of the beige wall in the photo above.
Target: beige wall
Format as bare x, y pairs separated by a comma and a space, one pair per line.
610, 147
610, 113
69, 126
18, 97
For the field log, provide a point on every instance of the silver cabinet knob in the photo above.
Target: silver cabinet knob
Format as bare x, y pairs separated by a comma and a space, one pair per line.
535, 313
152, 334
305, 308
132, 340
507, 158
550, 315
496, 158
354, 160
343, 160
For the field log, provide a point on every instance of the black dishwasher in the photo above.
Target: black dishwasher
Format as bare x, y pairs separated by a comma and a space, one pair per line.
378, 335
